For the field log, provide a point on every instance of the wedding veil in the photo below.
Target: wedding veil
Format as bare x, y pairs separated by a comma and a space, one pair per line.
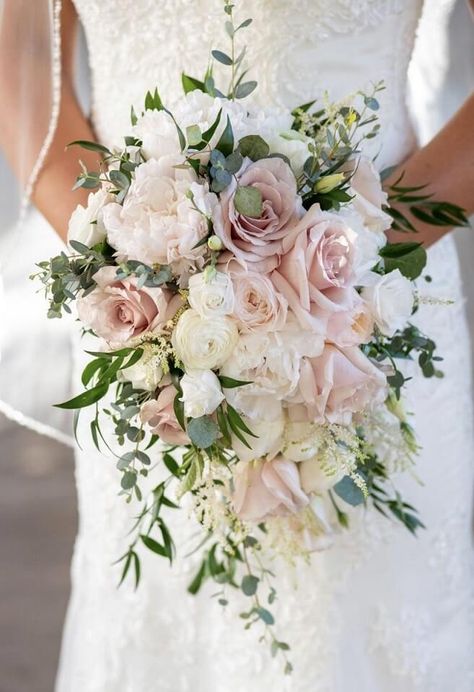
35, 354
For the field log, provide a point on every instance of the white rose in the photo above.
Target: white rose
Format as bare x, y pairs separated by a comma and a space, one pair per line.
86, 224
316, 480
211, 293
202, 343
145, 374
202, 393
158, 133
301, 441
390, 300
267, 443
369, 197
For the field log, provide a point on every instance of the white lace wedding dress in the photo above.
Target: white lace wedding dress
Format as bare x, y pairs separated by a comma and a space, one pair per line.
382, 611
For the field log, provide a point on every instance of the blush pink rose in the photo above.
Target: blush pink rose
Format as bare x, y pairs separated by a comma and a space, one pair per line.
159, 415
339, 383
369, 196
265, 488
257, 242
257, 305
318, 255
117, 310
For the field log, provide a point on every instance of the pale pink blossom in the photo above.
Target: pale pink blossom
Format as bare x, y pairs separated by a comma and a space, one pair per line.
116, 310
257, 242
159, 415
369, 196
266, 488
318, 255
258, 306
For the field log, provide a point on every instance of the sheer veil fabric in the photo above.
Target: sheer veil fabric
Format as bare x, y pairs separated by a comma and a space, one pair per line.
35, 354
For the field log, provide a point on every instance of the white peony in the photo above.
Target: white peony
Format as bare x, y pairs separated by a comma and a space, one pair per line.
158, 133
316, 480
211, 293
202, 393
271, 362
158, 222
202, 343
86, 224
390, 299
293, 145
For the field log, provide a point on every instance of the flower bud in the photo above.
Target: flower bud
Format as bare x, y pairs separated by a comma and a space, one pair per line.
214, 243
328, 182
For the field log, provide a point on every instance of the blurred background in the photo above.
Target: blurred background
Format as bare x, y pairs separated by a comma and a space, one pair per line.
37, 492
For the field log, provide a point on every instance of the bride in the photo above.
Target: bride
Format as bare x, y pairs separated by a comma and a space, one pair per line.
381, 611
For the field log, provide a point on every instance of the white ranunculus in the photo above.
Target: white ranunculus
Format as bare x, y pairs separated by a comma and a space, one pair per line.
202, 343
85, 224
301, 441
390, 300
267, 443
211, 293
158, 133
146, 374
316, 480
202, 393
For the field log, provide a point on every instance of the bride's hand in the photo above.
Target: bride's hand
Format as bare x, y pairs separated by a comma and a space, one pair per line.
446, 166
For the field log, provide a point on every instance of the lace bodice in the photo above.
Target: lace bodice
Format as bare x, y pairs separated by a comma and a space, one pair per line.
295, 49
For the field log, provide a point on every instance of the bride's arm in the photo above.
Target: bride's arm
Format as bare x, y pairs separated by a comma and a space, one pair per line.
446, 165
52, 194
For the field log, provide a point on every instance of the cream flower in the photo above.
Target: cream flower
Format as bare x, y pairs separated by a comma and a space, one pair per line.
204, 344
202, 393
86, 224
390, 300
211, 293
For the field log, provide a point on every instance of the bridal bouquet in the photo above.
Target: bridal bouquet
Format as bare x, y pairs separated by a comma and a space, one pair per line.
250, 316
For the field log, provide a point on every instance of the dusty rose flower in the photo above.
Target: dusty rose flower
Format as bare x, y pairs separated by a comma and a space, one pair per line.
117, 310
318, 255
257, 305
257, 242
266, 488
339, 383
159, 415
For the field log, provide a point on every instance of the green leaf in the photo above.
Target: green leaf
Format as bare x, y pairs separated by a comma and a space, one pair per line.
129, 479
133, 117
230, 383
349, 491
243, 90
226, 142
193, 135
207, 135
178, 408
90, 146
171, 465
265, 615
90, 396
119, 179
254, 147
154, 546
153, 101
198, 579
203, 431
221, 57
237, 420
248, 201
250, 584
409, 258
191, 84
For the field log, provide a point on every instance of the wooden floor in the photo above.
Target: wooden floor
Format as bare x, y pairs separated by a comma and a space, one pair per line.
37, 529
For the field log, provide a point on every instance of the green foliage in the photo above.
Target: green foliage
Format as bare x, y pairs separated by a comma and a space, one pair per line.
348, 491
409, 258
248, 201
203, 432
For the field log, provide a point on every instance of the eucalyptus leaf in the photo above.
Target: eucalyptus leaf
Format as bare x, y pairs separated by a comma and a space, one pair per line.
248, 201
349, 491
250, 584
254, 147
203, 431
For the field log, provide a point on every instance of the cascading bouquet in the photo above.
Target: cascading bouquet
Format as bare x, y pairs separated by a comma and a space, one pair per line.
234, 266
